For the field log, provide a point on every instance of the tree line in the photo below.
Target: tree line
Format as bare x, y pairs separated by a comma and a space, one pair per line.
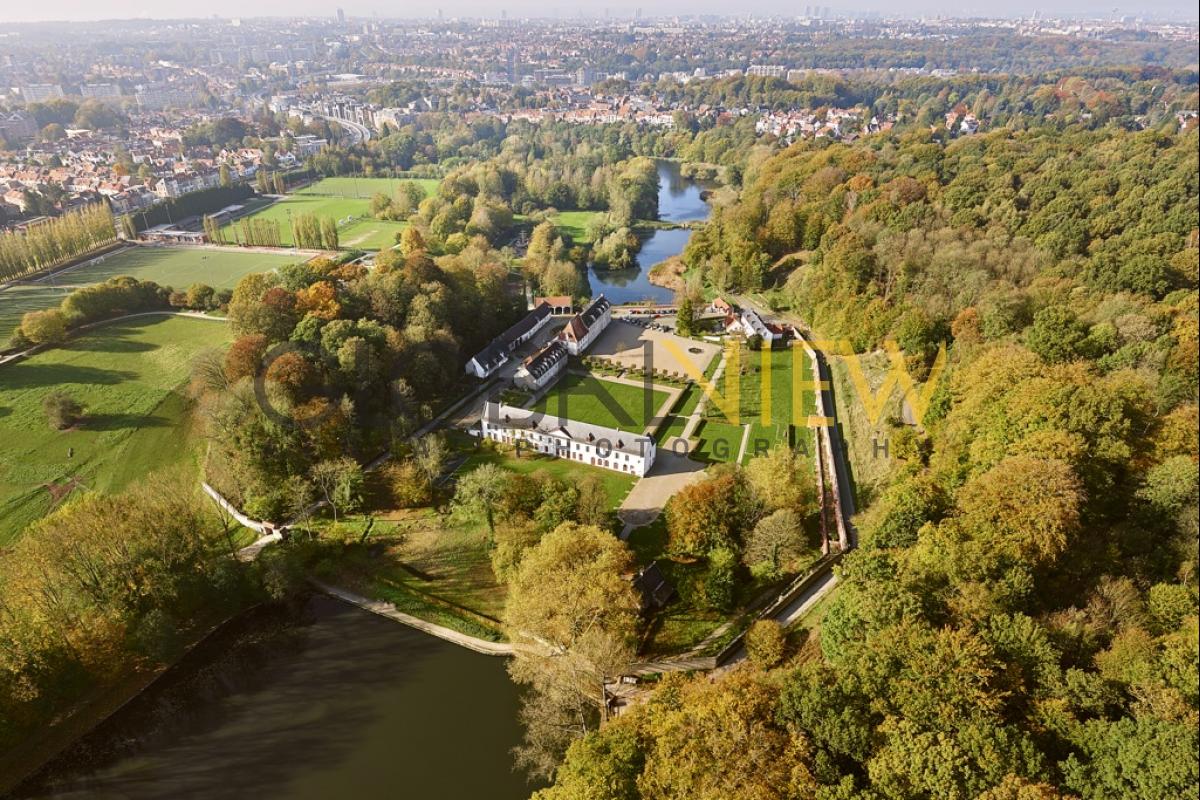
56, 241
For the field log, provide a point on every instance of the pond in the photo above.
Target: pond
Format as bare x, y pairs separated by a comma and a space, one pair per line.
321, 702
679, 200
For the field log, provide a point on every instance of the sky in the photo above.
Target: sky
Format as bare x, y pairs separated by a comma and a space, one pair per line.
14, 11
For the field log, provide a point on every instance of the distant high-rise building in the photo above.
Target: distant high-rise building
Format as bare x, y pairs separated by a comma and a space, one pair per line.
341, 17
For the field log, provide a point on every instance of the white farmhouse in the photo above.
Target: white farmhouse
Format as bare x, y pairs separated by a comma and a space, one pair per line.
622, 451
585, 326
541, 368
492, 357
750, 323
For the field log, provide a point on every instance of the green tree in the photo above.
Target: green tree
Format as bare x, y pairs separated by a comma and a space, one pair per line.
479, 491
62, 410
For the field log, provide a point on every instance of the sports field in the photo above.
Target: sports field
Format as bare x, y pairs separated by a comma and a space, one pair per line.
600, 402
130, 378
177, 267
347, 200
365, 188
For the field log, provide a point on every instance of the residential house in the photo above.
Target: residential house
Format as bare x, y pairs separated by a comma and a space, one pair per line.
749, 323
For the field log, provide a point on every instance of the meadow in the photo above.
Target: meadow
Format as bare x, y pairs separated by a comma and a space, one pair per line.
177, 267
341, 199
130, 377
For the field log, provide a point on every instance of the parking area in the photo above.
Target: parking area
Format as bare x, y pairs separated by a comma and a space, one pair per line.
632, 345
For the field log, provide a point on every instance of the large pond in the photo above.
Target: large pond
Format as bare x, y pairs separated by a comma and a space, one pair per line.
679, 200
325, 702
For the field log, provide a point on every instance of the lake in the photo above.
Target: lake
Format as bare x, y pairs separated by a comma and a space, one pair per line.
678, 201
326, 701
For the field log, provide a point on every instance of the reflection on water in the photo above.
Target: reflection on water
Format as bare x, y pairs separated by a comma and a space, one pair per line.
678, 201
330, 703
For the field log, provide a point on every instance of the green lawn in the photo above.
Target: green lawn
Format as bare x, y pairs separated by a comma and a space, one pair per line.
365, 188
342, 199
774, 395
575, 223
616, 484
600, 402
129, 376
767, 380
16, 300
177, 267
717, 441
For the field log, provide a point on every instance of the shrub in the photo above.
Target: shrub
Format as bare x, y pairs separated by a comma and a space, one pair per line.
62, 410
720, 580
407, 486
44, 327
766, 643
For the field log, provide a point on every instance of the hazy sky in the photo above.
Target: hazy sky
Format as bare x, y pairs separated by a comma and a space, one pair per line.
18, 11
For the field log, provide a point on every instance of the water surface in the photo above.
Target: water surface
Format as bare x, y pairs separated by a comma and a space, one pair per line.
331, 702
678, 201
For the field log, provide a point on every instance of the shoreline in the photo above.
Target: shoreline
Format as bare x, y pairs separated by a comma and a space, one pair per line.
29, 759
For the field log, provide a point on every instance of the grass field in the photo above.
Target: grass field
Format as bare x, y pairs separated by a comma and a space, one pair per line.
16, 300
340, 198
720, 437
718, 441
870, 470
177, 267
616, 484
574, 224
601, 402
128, 376
365, 188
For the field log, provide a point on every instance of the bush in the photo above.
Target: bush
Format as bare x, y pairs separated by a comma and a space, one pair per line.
720, 580
44, 327
62, 410
766, 643
406, 485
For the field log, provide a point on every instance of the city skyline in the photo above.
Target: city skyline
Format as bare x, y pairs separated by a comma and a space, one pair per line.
74, 11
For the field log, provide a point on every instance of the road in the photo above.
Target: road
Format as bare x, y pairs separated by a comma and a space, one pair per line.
360, 134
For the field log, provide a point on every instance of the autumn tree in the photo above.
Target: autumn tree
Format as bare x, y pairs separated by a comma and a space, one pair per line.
572, 615
708, 514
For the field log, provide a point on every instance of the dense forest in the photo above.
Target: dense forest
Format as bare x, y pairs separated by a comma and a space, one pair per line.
1020, 620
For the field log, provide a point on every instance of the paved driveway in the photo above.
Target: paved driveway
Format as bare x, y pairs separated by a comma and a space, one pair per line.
626, 344
646, 500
